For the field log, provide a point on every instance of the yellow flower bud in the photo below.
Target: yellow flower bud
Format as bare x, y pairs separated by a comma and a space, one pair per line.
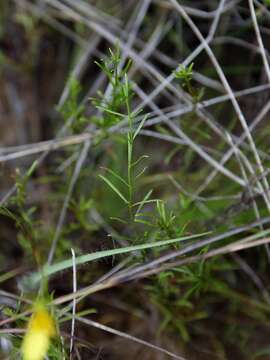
40, 329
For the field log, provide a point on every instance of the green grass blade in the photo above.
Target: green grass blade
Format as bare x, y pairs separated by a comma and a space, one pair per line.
66, 264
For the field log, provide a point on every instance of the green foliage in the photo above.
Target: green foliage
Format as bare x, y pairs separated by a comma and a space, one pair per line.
72, 109
185, 75
23, 217
165, 220
177, 306
81, 209
120, 95
183, 294
121, 99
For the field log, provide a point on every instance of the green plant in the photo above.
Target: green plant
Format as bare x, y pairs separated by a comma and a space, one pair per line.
72, 110
185, 75
121, 95
23, 216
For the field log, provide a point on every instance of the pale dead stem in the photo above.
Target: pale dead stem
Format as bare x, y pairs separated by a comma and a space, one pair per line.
220, 40
197, 12
167, 81
241, 160
43, 146
16, 152
235, 145
228, 249
259, 39
74, 271
252, 275
127, 336
197, 245
197, 148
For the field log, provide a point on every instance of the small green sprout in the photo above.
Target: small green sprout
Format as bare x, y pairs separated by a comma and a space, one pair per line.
184, 73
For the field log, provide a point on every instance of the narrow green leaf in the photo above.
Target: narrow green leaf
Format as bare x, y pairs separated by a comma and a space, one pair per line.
118, 219
141, 173
140, 126
144, 222
139, 160
48, 270
107, 181
115, 175
110, 111
141, 203
32, 169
